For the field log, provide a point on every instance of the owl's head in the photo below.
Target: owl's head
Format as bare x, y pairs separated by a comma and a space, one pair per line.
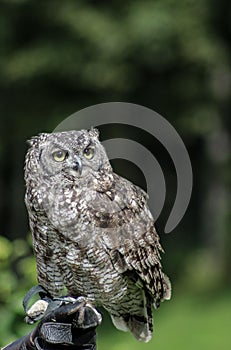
74, 154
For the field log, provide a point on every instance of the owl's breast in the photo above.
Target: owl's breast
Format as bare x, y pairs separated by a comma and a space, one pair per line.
92, 274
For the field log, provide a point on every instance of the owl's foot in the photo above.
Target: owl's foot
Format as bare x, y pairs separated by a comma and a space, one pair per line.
82, 312
86, 314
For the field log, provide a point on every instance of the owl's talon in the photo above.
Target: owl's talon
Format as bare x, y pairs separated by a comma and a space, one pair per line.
65, 300
87, 316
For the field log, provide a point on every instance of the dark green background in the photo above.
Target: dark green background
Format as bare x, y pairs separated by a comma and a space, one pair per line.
57, 57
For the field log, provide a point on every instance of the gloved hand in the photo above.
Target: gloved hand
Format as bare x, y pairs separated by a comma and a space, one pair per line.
66, 324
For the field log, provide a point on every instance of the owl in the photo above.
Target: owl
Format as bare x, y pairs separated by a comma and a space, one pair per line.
93, 234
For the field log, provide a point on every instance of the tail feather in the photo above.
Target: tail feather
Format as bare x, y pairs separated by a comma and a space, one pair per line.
140, 325
140, 328
167, 288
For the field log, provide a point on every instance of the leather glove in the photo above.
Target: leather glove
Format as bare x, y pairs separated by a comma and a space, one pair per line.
67, 323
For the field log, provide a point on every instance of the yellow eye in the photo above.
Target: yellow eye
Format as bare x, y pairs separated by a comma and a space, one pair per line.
59, 156
89, 152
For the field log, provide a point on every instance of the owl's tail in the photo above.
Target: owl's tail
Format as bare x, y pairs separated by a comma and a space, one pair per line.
140, 325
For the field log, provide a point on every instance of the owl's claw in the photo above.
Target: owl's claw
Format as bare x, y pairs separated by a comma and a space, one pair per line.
83, 312
86, 314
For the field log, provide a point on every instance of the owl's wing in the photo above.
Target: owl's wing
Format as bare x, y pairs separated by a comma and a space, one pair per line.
142, 258
131, 239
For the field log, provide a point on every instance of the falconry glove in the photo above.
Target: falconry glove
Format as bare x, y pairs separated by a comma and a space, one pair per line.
66, 324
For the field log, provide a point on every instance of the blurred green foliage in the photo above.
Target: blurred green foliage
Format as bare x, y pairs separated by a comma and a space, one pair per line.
172, 56
18, 274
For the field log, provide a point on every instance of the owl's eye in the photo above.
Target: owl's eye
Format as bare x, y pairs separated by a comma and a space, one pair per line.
59, 156
89, 152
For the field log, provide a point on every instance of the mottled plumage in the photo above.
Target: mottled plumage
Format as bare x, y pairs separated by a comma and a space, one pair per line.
92, 230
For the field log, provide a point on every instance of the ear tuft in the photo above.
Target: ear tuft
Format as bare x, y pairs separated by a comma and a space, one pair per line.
93, 132
34, 141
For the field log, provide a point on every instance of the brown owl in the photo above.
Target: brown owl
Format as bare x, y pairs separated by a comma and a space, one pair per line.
93, 233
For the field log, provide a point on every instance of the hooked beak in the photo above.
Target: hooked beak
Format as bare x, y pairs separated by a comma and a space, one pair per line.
78, 165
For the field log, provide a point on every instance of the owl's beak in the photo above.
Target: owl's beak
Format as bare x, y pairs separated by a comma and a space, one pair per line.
78, 165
